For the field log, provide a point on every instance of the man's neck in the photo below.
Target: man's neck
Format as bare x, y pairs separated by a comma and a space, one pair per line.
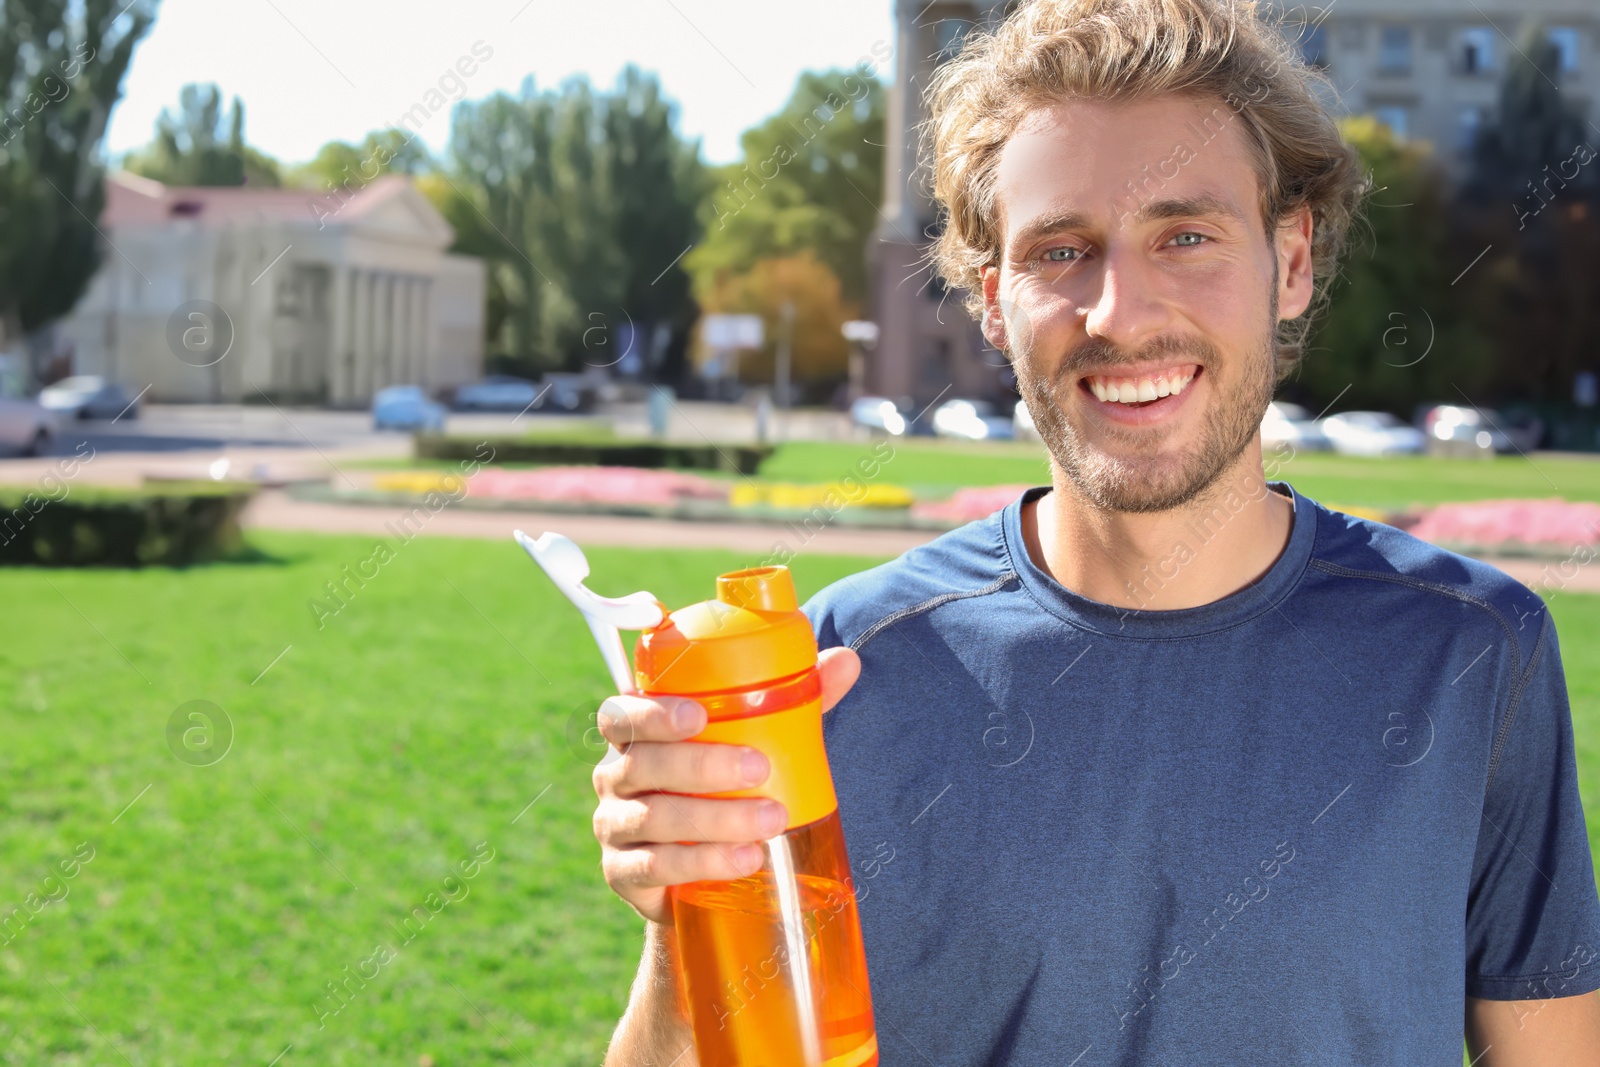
1160, 561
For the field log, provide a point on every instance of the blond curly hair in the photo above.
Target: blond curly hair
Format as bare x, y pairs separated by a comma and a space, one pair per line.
1048, 51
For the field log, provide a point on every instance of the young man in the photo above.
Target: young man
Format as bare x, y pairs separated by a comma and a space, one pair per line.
1165, 762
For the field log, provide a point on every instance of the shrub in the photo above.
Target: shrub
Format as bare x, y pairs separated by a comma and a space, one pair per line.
173, 526
734, 459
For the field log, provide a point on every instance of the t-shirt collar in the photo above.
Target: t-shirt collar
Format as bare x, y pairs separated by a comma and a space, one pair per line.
1149, 623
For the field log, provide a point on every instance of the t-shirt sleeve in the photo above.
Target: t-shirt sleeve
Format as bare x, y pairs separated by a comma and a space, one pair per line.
1533, 914
819, 609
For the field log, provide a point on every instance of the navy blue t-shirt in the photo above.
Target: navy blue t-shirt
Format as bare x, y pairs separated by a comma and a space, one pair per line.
1298, 825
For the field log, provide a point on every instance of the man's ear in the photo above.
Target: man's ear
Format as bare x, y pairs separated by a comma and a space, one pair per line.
1295, 275
994, 323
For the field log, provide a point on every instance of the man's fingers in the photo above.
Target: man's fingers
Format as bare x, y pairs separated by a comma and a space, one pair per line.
664, 818
682, 767
653, 866
624, 719
840, 668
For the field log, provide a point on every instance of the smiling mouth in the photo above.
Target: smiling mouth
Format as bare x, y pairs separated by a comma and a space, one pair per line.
1141, 390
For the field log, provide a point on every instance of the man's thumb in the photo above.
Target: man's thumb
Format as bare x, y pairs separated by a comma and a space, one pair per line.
840, 667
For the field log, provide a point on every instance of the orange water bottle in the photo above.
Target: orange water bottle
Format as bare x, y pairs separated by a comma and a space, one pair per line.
772, 966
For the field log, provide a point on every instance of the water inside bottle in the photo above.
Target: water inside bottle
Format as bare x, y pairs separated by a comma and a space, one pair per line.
773, 964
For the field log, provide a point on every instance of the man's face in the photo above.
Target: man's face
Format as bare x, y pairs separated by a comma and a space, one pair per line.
1137, 293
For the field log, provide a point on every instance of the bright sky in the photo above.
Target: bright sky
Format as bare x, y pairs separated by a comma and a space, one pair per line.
312, 71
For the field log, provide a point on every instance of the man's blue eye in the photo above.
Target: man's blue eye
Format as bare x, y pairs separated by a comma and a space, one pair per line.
1197, 236
1058, 255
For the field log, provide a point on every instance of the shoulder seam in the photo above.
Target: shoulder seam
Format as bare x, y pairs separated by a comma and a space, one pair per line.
1518, 686
928, 605
1518, 681
1428, 587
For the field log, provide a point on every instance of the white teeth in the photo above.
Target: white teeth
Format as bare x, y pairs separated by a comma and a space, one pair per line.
1137, 392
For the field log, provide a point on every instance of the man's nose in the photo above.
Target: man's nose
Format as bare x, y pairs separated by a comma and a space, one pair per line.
1128, 309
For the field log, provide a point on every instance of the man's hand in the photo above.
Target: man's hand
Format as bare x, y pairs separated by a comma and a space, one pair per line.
650, 835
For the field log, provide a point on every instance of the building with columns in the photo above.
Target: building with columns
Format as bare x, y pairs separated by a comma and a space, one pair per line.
225, 295
1430, 69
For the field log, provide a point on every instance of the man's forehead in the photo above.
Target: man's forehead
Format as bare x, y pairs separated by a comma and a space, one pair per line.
1105, 161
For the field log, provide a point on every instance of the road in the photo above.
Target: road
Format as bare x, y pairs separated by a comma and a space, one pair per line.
216, 427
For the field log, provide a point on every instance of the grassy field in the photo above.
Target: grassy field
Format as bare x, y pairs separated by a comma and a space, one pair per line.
428, 728
367, 764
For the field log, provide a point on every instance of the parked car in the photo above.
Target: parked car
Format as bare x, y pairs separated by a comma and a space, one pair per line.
1454, 430
25, 425
1022, 427
498, 392
971, 420
89, 396
1372, 433
1291, 425
565, 392
406, 407
877, 414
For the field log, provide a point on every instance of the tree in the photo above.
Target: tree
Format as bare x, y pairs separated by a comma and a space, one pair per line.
654, 219
1396, 333
819, 354
583, 204
193, 150
811, 178
1530, 209
1534, 130
341, 165
61, 73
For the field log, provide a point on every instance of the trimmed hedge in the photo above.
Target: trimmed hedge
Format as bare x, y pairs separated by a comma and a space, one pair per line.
734, 459
91, 527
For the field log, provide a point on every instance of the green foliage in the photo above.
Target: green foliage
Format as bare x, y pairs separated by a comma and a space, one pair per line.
193, 148
1395, 333
1532, 200
341, 165
735, 459
775, 289
811, 180
60, 73
582, 202
1534, 128
174, 526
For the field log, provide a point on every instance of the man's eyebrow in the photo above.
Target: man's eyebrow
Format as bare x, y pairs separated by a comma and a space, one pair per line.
1202, 205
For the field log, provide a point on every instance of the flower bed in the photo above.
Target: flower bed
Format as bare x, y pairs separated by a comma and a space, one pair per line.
1530, 524
592, 485
833, 495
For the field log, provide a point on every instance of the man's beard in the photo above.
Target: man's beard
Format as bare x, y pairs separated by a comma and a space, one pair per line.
1149, 480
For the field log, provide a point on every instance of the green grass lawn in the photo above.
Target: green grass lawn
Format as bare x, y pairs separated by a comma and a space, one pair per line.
368, 762
366, 765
